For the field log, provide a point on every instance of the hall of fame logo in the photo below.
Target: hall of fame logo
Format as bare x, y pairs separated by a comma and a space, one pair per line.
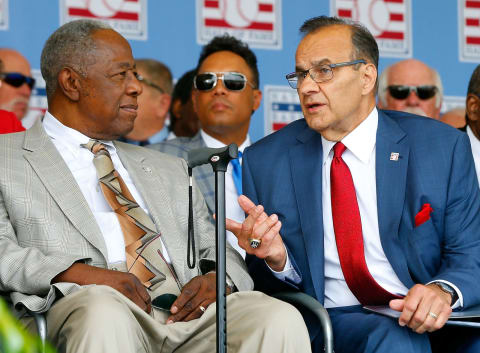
469, 30
388, 20
3, 14
128, 17
281, 107
256, 22
38, 101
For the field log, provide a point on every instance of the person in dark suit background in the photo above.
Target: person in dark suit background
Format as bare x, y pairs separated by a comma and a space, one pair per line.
359, 206
472, 116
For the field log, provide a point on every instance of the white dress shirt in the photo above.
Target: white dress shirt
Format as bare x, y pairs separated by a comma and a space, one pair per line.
233, 210
360, 159
475, 143
80, 162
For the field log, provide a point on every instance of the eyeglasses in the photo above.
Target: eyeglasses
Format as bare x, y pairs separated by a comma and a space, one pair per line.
422, 92
149, 83
233, 81
16, 79
318, 73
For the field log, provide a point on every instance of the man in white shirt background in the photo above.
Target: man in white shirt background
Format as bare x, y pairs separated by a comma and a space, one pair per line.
226, 93
358, 206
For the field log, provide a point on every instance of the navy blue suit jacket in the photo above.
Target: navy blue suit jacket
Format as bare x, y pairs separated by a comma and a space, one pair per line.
283, 173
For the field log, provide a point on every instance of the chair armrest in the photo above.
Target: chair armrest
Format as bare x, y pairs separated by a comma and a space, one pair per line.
41, 323
310, 303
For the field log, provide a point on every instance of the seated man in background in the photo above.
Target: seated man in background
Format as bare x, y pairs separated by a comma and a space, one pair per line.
153, 104
226, 94
92, 232
411, 86
8, 121
183, 118
473, 117
17, 82
364, 206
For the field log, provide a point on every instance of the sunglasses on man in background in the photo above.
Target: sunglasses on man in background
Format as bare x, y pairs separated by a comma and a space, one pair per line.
233, 81
16, 79
402, 91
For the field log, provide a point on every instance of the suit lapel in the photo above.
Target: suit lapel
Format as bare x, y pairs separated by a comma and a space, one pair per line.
391, 177
306, 168
155, 193
55, 175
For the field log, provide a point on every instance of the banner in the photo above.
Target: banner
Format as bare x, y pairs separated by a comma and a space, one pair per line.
256, 22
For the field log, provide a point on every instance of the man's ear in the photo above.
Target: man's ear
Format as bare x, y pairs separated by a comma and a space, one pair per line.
473, 107
369, 78
176, 109
257, 99
69, 83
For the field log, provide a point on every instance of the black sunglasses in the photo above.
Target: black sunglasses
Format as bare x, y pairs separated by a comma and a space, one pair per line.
422, 92
16, 79
233, 81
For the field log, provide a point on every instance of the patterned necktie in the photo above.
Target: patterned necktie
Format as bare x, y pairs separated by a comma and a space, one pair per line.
137, 227
348, 234
237, 173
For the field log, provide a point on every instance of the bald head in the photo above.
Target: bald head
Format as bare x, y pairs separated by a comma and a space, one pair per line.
411, 72
14, 99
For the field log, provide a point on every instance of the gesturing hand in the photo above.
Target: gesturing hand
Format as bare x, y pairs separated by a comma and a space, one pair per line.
258, 225
199, 293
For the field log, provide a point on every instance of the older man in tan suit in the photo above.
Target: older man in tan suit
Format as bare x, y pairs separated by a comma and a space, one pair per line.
93, 232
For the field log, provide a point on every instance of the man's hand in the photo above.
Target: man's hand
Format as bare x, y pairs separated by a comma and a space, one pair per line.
258, 225
126, 283
420, 307
199, 293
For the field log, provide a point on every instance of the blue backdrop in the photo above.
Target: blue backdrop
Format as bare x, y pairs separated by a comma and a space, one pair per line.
171, 37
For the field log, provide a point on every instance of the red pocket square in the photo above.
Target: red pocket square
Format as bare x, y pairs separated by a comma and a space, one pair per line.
423, 215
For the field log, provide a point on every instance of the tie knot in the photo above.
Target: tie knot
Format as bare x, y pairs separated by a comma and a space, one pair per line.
95, 146
338, 149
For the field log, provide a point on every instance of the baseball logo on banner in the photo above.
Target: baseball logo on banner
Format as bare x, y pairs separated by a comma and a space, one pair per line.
388, 20
3, 14
128, 17
282, 106
256, 22
38, 101
469, 30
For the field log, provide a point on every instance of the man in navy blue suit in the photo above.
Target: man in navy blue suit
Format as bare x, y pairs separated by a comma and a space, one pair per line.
357, 206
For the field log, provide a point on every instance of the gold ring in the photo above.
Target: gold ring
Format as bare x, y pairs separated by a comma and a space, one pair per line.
254, 243
202, 308
435, 316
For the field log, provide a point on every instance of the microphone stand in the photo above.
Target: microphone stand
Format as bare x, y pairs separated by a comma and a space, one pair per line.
218, 159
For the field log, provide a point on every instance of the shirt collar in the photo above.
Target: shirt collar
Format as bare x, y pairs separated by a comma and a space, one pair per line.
473, 139
214, 143
361, 141
66, 135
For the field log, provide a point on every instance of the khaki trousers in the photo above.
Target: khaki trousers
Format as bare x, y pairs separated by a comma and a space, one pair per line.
100, 319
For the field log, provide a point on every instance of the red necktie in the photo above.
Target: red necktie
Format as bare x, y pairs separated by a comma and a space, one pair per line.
348, 234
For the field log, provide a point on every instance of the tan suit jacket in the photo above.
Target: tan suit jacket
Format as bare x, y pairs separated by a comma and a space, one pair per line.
46, 224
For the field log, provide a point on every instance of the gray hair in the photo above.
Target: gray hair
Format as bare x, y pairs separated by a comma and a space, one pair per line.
383, 84
69, 46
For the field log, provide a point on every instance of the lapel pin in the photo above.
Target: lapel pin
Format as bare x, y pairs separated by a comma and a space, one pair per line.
147, 169
394, 156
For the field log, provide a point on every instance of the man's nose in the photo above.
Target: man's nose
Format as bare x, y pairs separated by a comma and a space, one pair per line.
220, 86
412, 99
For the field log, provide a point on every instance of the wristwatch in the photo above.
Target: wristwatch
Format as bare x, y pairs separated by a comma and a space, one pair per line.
448, 289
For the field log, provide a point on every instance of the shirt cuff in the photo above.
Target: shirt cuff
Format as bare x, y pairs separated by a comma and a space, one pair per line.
288, 271
459, 302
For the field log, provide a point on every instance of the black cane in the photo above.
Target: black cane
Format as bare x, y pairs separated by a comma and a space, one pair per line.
219, 159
